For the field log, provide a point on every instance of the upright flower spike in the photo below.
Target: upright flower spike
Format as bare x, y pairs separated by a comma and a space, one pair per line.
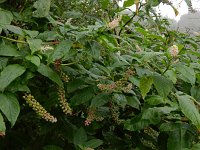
38, 108
63, 102
113, 24
173, 50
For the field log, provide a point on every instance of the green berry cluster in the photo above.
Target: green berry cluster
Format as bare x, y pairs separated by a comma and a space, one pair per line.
114, 110
38, 108
63, 102
63, 76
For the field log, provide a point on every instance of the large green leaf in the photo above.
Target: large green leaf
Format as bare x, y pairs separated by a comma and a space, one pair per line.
5, 18
133, 101
8, 50
15, 29
195, 92
100, 99
2, 124
187, 74
120, 99
10, 73
34, 44
189, 109
82, 96
162, 85
155, 100
145, 85
94, 143
61, 50
148, 117
42, 8
178, 137
48, 72
80, 137
33, 59
9, 106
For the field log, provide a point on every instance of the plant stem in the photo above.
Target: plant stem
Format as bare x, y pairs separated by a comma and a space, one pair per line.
13, 40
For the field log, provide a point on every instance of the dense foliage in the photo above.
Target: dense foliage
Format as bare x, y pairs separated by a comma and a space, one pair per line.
85, 75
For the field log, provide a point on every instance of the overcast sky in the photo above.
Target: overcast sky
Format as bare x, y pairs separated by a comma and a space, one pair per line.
181, 6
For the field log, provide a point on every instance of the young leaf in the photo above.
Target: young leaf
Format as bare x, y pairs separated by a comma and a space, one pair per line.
162, 85
34, 44
189, 109
145, 85
2, 124
10, 107
129, 3
48, 72
10, 73
61, 50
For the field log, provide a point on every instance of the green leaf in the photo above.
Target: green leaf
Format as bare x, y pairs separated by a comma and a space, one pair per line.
51, 147
33, 59
94, 143
15, 29
5, 18
100, 99
34, 44
170, 74
155, 100
10, 73
31, 34
189, 109
2, 124
162, 85
42, 8
3, 62
129, 3
49, 73
120, 99
133, 101
61, 50
8, 50
145, 85
2, 1
10, 107
82, 96
196, 146
80, 137
195, 92
187, 74
150, 116
75, 84
178, 135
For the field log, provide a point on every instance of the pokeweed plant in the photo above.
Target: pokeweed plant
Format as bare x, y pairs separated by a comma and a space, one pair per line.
84, 75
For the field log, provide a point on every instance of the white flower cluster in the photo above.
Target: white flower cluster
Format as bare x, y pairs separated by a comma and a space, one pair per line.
113, 24
44, 48
173, 50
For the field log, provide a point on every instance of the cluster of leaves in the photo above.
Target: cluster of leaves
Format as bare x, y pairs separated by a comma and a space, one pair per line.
96, 78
